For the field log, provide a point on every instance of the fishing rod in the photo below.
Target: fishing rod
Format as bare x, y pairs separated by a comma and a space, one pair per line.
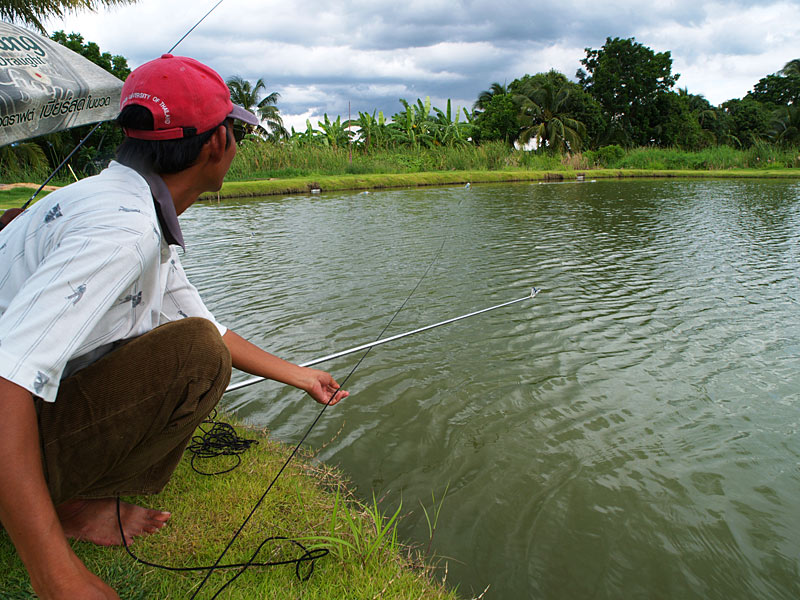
88, 135
241, 384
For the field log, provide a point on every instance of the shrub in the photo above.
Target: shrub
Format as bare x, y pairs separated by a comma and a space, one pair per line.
609, 156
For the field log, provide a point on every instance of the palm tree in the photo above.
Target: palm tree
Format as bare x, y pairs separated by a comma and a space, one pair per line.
486, 95
786, 125
33, 12
247, 96
545, 118
792, 67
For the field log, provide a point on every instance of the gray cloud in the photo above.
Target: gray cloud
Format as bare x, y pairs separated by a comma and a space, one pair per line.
320, 55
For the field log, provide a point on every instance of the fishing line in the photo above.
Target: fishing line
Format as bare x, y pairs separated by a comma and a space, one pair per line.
534, 292
86, 137
308, 556
229, 437
63, 162
297, 448
194, 27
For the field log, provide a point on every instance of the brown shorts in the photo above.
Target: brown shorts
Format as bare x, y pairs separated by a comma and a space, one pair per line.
120, 426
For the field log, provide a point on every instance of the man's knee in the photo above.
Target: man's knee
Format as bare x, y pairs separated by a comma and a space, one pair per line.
137, 405
199, 340
194, 344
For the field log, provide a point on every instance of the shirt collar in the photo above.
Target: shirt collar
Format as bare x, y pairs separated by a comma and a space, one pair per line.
165, 208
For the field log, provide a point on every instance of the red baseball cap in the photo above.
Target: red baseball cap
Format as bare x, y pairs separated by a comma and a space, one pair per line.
184, 96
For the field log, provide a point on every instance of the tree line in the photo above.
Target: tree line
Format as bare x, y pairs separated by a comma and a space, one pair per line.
624, 96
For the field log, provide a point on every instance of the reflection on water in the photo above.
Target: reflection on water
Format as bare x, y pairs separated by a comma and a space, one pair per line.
632, 432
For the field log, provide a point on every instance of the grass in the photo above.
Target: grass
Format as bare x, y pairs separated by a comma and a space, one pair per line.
269, 169
304, 185
310, 502
759, 157
17, 196
266, 160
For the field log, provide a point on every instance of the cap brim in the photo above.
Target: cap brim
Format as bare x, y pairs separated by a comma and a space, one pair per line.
243, 115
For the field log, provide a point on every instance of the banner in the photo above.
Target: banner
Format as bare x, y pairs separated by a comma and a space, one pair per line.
46, 87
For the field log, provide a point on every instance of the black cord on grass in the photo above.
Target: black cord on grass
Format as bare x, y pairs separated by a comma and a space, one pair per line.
309, 555
220, 440
302, 440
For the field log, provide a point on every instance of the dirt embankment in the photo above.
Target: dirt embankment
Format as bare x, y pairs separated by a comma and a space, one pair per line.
9, 186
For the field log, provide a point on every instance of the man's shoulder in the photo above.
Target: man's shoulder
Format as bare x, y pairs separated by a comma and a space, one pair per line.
114, 206
117, 190
116, 179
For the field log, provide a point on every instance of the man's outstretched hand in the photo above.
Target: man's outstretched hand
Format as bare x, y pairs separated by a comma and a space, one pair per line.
323, 388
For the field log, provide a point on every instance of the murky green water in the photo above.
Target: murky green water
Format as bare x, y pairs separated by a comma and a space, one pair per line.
630, 433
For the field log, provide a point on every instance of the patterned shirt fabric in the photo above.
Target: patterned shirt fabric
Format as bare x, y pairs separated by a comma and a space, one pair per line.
85, 269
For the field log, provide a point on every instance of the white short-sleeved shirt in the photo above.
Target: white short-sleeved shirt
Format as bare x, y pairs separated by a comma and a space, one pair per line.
81, 271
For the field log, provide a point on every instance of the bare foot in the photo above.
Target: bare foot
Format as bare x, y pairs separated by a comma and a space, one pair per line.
95, 520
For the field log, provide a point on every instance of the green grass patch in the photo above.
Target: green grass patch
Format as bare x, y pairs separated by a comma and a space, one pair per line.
261, 169
16, 197
329, 183
310, 502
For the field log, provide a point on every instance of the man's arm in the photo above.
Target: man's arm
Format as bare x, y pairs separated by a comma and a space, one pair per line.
252, 359
27, 512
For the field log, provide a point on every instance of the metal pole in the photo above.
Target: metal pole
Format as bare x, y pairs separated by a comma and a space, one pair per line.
316, 361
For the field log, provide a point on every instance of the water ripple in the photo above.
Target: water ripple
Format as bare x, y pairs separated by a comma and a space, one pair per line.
632, 432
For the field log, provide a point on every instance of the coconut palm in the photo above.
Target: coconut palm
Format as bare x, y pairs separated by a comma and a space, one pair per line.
545, 118
486, 96
792, 67
247, 96
786, 125
33, 12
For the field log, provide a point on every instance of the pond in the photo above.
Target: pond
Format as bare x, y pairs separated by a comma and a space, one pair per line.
630, 432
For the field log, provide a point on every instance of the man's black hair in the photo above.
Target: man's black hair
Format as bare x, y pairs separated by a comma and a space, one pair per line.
160, 156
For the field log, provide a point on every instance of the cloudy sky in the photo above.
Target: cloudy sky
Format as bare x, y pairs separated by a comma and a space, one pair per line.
320, 56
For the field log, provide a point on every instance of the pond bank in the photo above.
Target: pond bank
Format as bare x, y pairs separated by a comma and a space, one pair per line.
206, 511
327, 183
12, 195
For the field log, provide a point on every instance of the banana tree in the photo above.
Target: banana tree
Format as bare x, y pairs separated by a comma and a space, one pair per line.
447, 130
334, 133
413, 124
372, 131
305, 138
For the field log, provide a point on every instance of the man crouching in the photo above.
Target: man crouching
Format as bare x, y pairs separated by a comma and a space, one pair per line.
108, 357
